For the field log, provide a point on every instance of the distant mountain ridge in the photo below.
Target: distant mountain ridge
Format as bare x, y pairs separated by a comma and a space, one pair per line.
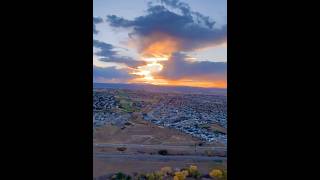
157, 88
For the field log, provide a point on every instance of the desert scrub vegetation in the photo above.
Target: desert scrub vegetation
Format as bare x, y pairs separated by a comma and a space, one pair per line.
154, 176
150, 176
167, 173
120, 176
218, 174
191, 171
166, 170
180, 175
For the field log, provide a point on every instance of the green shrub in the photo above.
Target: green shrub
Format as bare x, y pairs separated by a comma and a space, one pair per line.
154, 176
141, 177
121, 176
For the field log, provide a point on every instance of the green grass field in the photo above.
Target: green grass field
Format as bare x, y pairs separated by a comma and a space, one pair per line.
125, 102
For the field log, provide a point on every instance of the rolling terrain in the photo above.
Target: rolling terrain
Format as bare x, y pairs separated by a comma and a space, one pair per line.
153, 130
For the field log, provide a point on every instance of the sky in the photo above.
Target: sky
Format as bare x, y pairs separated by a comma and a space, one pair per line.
161, 42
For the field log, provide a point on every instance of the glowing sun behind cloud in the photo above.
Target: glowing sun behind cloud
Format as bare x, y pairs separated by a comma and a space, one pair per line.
156, 50
146, 72
153, 49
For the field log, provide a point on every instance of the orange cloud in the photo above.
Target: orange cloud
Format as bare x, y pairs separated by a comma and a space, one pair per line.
157, 51
181, 82
157, 44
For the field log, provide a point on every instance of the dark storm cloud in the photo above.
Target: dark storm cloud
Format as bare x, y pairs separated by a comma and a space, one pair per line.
178, 67
110, 73
106, 50
192, 29
116, 21
96, 20
107, 53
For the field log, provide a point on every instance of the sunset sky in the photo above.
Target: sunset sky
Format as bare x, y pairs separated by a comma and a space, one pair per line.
161, 42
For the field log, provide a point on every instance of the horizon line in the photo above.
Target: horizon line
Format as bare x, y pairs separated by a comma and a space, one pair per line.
161, 85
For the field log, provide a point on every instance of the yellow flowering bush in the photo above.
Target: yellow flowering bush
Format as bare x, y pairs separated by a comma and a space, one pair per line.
185, 173
193, 168
216, 173
154, 176
193, 171
179, 175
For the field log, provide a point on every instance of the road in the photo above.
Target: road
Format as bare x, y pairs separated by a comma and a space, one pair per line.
156, 157
158, 146
159, 157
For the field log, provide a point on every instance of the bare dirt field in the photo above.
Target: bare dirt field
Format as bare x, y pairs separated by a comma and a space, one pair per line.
142, 132
141, 142
105, 166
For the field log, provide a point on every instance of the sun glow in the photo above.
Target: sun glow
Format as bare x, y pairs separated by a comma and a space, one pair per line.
180, 82
153, 54
159, 45
146, 71
155, 59
156, 49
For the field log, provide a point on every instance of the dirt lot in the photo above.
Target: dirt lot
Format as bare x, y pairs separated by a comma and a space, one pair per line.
112, 165
152, 138
142, 132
